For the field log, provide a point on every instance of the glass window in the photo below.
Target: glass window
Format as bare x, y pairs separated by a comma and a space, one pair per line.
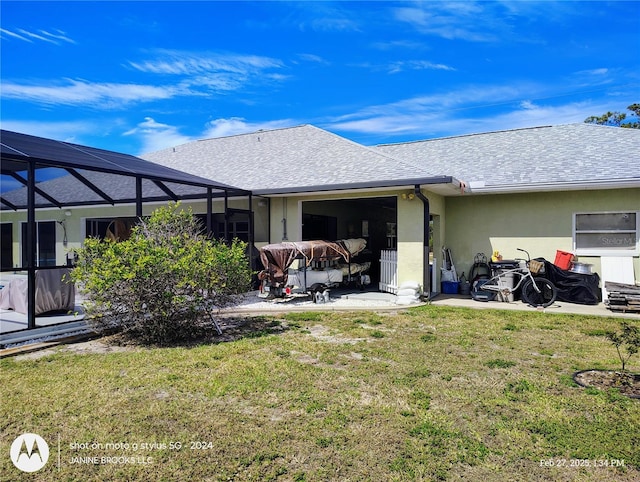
6, 245
602, 233
45, 243
236, 229
111, 228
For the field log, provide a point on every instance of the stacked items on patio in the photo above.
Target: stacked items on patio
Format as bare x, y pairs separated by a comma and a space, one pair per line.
623, 297
408, 293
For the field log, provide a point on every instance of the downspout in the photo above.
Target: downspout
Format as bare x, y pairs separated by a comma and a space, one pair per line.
210, 212
252, 241
426, 278
138, 197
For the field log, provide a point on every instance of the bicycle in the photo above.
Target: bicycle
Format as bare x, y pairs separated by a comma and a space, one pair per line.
536, 291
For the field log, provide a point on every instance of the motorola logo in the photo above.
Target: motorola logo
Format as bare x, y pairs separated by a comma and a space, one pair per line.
29, 452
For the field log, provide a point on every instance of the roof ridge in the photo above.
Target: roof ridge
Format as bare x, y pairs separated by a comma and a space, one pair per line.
477, 134
466, 135
368, 148
251, 133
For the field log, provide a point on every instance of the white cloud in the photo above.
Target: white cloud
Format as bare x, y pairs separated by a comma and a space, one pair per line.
480, 21
572, 112
79, 92
403, 65
400, 44
56, 37
156, 136
313, 58
460, 20
236, 125
174, 62
334, 24
70, 131
323, 17
8, 33
594, 72
200, 75
503, 108
444, 104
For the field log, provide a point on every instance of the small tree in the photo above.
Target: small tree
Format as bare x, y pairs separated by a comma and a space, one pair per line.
165, 283
618, 119
627, 339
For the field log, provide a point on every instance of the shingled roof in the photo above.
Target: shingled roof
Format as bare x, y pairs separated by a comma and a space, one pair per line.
92, 176
295, 159
307, 159
542, 158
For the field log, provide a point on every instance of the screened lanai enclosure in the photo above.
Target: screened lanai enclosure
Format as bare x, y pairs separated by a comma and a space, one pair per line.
44, 175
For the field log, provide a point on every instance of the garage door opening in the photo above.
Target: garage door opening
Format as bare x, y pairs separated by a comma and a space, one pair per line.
373, 219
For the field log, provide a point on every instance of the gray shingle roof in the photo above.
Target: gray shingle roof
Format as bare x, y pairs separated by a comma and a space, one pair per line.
111, 175
69, 191
557, 155
302, 156
309, 157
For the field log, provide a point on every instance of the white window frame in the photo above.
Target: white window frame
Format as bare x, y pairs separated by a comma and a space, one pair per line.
635, 251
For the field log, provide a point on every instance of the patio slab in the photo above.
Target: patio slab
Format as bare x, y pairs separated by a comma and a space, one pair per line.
342, 300
558, 307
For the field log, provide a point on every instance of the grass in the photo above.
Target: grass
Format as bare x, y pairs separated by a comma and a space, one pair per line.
430, 393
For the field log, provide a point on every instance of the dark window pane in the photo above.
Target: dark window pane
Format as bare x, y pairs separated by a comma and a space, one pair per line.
606, 222
47, 243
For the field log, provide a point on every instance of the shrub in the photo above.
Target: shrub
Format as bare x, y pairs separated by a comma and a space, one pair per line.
163, 284
627, 339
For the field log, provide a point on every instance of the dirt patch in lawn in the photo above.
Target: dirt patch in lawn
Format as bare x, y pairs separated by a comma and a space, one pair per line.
628, 384
84, 347
232, 329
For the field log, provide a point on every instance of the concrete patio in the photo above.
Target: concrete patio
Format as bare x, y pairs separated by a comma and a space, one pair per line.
57, 329
558, 307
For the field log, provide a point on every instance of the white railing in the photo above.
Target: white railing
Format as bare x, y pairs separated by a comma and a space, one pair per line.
388, 271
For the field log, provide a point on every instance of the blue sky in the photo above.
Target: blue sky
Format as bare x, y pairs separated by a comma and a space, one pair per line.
136, 77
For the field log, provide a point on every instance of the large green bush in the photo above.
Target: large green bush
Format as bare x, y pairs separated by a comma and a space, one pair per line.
165, 283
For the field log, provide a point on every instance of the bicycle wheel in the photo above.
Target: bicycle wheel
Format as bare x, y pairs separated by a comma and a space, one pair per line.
544, 296
480, 294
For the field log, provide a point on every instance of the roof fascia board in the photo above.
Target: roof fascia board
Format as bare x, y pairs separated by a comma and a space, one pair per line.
384, 184
549, 187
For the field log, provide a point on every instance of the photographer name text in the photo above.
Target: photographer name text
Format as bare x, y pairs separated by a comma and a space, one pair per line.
128, 453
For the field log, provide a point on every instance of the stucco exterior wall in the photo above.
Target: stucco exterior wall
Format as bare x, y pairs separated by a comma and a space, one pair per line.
411, 231
541, 223
286, 220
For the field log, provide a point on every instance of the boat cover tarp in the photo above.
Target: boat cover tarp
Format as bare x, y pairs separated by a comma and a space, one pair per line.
277, 258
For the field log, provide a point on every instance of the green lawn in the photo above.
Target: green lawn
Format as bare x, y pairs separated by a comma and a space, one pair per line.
430, 393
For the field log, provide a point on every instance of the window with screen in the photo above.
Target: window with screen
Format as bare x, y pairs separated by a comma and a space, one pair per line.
606, 233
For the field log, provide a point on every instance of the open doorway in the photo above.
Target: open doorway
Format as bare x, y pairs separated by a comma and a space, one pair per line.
373, 219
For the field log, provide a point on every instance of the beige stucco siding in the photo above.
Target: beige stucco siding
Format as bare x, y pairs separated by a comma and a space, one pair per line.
541, 223
411, 250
